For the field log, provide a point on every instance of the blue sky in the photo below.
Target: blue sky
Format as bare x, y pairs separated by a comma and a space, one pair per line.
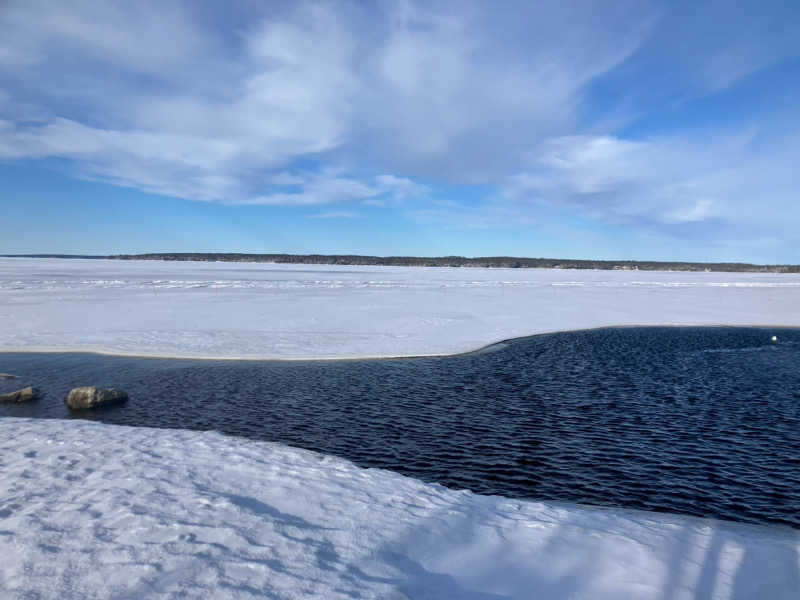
644, 130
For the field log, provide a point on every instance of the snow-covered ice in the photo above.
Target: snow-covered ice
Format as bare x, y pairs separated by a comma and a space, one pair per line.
227, 310
100, 511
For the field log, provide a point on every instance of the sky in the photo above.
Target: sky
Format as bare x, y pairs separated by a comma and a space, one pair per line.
570, 129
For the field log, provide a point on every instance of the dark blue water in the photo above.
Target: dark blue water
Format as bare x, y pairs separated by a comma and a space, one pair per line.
701, 421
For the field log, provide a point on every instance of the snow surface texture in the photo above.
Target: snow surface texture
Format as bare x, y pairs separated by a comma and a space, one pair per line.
229, 310
101, 511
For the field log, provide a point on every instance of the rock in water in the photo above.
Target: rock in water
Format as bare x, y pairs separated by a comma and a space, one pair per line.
91, 397
23, 395
7, 376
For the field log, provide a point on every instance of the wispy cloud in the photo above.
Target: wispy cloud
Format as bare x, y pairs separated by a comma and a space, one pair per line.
335, 214
708, 47
427, 91
665, 180
285, 94
331, 186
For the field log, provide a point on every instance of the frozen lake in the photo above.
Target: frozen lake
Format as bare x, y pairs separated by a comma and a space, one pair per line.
228, 310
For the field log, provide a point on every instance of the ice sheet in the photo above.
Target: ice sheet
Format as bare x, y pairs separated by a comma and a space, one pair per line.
202, 309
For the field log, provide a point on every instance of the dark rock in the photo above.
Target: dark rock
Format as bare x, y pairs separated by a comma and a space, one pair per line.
7, 376
23, 395
91, 397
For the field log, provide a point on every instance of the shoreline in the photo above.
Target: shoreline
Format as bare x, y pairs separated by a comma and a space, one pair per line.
217, 519
267, 358
480, 262
666, 516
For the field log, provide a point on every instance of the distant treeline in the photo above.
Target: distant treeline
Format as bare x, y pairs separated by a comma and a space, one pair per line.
460, 261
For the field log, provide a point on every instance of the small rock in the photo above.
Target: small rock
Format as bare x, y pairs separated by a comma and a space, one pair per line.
91, 397
7, 376
23, 395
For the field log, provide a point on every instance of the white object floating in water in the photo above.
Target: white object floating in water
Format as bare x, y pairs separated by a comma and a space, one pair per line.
774, 338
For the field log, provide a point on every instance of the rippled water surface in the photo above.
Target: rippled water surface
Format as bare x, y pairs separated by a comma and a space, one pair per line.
703, 421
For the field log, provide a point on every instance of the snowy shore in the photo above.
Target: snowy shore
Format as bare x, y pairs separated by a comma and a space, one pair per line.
230, 310
100, 511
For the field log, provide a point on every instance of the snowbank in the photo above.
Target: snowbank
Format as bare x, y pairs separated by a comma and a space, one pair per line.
227, 310
99, 511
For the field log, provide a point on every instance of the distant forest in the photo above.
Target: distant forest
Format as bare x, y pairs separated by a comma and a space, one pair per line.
496, 262
460, 261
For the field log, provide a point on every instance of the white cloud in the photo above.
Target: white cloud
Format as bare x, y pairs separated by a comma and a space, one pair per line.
131, 35
400, 188
170, 164
287, 96
140, 94
699, 209
461, 94
318, 190
332, 186
374, 202
667, 181
67, 138
335, 214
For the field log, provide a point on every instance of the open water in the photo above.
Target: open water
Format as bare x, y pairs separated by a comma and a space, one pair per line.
700, 421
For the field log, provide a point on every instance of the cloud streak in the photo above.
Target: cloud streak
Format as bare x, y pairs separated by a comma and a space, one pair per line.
335, 214
741, 183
